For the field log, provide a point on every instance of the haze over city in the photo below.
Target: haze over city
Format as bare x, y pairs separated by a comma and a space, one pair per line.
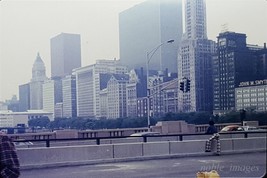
27, 27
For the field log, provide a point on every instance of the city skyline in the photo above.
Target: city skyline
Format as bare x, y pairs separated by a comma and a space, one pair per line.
27, 27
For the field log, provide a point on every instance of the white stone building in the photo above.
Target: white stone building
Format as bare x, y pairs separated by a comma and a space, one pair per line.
195, 60
88, 85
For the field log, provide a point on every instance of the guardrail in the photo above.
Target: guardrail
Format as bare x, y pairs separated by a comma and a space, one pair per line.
180, 137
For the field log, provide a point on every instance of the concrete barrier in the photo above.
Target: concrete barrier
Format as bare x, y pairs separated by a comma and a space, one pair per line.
156, 148
85, 154
187, 147
39, 156
249, 143
130, 150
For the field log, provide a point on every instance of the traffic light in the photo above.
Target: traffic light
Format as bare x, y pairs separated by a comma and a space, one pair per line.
182, 86
187, 85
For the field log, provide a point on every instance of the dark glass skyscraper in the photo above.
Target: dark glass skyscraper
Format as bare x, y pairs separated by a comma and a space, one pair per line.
145, 26
65, 54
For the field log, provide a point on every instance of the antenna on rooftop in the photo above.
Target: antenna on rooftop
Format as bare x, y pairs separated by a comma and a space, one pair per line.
224, 27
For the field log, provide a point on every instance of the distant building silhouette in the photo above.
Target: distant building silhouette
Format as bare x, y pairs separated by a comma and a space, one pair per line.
38, 78
145, 26
69, 96
65, 54
24, 97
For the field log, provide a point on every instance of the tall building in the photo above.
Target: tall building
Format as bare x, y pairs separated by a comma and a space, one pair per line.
69, 96
88, 86
38, 78
116, 96
262, 62
195, 60
52, 94
24, 97
195, 19
147, 25
136, 88
235, 62
65, 54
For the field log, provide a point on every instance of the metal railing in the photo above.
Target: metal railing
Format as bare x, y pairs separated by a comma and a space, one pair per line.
180, 137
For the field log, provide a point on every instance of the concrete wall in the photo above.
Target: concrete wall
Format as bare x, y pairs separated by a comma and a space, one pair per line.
84, 154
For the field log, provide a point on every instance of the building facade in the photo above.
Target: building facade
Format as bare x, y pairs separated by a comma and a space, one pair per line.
38, 78
69, 96
88, 85
12, 119
136, 88
65, 54
170, 96
147, 25
142, 107
52, 94
234, 63
24, 97
195, 60
251, 95
116, 96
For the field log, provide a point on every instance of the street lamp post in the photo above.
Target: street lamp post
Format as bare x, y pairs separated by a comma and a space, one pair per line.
149, 56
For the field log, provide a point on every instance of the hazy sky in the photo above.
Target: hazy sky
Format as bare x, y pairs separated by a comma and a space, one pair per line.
26, 28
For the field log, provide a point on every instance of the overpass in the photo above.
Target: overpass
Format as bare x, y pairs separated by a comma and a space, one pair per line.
129, 149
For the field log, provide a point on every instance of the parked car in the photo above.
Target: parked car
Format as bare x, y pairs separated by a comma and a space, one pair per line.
23, 144
252, 128
145, 133
230, 128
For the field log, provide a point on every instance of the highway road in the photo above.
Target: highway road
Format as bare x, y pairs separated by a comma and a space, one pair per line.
236, 165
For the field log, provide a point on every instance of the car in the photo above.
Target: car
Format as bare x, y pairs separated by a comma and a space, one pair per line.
145, 133
231, 128
22, 143
252, 128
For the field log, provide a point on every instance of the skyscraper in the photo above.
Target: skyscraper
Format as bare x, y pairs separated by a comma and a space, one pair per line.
24, 97
116, 96
195, 60
65, 54
38, 78
52, 94
147, 25
88, 85
235, 62
69, 96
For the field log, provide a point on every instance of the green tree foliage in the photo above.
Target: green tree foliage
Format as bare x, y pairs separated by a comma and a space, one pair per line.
39, 122
190, 118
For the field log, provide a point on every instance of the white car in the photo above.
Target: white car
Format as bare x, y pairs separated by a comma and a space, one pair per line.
145, 133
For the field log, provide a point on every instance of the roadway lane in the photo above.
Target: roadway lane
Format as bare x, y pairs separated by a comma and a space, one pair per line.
237, 165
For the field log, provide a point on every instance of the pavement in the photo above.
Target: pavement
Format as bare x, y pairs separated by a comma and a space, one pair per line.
228, 165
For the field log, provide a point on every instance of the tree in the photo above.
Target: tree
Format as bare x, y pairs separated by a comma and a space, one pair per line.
39, 122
